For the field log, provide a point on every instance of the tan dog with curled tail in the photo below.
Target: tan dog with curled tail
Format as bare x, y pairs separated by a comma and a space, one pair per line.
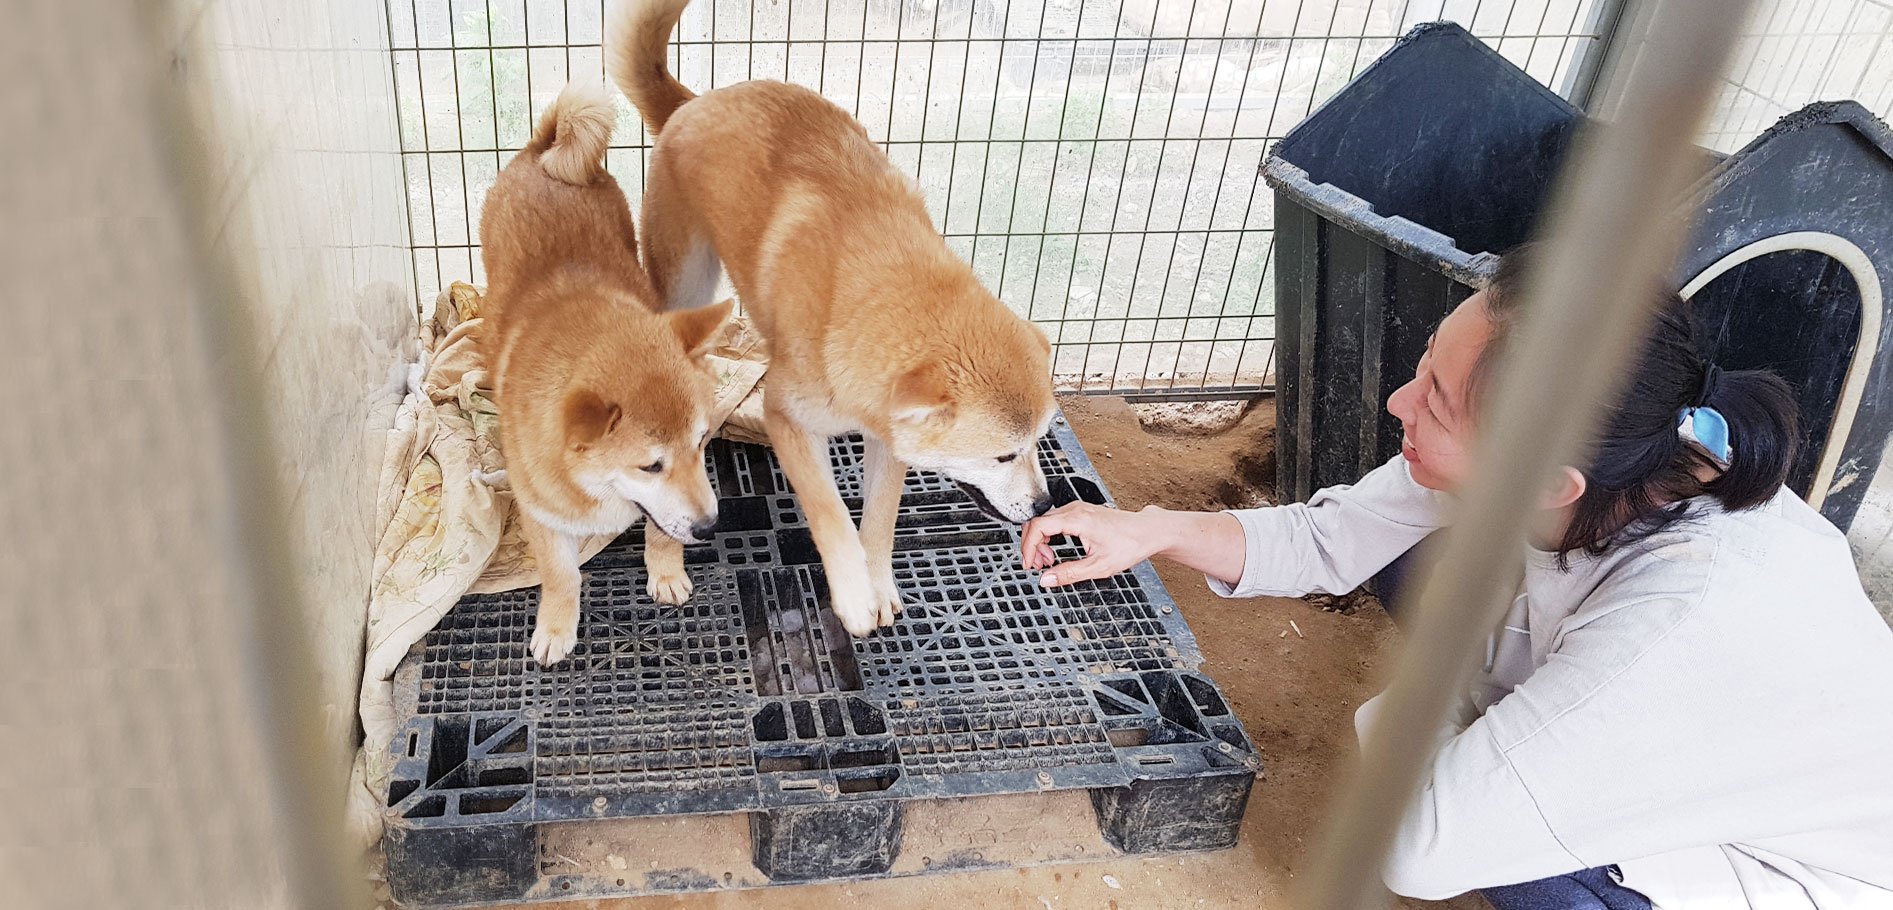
604, 400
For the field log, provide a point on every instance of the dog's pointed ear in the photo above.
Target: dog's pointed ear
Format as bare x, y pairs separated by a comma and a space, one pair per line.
921, 395
697, 328
588, 418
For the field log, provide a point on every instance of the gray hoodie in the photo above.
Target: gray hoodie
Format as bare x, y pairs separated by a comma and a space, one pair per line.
1710, 708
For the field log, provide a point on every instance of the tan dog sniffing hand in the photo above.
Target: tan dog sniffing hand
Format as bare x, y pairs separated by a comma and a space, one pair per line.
873, 324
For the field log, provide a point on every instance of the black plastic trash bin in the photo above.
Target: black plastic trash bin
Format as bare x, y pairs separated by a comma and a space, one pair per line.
1391, 203
1393, 198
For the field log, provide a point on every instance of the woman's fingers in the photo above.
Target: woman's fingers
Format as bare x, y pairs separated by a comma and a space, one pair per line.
1043, 558
1032, 542
1036, 557
1098, 565
1065, 520
1105, 535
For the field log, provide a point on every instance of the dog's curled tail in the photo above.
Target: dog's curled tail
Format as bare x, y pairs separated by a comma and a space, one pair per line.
573, 132
635, 38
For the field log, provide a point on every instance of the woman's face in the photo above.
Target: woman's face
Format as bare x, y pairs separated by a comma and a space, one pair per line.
1433, 408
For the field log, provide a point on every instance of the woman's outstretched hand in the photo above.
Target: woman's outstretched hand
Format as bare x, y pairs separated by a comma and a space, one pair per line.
1115, 540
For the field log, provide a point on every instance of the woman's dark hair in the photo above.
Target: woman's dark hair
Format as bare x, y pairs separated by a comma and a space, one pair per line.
1641, 470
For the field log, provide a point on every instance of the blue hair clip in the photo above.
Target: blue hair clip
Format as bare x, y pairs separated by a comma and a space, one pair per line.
1708, 430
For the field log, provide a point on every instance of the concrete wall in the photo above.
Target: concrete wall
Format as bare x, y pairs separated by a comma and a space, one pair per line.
1872, 539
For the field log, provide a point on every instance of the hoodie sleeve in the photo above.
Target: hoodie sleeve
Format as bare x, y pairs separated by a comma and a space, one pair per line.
1337, 539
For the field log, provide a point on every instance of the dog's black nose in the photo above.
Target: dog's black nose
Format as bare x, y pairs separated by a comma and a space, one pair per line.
703, 528
1041, 505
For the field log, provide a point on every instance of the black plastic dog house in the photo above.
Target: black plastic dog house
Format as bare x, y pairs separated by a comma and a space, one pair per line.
1394, 198
1789, 263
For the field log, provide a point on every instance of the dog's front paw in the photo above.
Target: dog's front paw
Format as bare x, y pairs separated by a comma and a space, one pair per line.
887, 596
669, 588
858, 608
553, 639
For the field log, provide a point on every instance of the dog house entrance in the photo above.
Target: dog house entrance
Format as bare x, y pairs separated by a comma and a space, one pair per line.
1793, 304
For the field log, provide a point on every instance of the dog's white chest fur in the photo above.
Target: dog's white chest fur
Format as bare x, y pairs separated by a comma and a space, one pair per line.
612, 516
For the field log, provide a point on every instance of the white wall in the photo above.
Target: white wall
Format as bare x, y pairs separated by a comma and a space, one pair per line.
164, 745
306, 200
1796, 51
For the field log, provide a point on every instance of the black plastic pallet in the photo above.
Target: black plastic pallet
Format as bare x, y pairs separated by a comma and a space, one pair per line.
750, 698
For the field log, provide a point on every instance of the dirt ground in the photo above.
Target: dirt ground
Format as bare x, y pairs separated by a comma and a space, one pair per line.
1295, 692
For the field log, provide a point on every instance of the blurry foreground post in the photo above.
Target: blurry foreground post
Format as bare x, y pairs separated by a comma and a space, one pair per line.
1611, 234
162, 745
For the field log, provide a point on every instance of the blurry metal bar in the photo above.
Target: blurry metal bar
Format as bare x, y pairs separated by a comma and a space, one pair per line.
271, 621
1613, 231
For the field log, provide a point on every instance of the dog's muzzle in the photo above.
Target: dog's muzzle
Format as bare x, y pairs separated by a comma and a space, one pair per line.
696, 532
985, 505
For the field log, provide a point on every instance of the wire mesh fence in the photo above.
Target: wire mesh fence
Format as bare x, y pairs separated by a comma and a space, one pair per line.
1096, 161
1793, 52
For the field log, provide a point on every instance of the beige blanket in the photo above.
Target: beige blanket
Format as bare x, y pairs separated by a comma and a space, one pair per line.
447, 517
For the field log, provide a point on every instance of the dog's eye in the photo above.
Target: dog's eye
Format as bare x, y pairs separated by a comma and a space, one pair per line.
1005, 458
655, 467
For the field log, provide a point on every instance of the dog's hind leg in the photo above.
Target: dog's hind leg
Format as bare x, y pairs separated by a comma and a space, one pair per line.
883, 476
676, 248
699, 271
804, 459
664, 563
